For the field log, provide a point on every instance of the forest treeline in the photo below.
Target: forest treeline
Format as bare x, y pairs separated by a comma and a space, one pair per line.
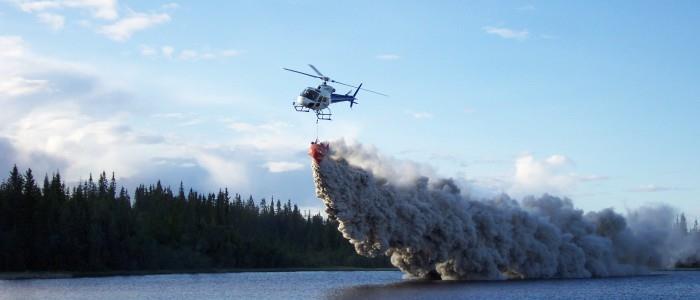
96, 226
692, 237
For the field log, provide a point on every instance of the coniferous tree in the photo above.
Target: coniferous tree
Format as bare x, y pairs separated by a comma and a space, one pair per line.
683, 225
95, 226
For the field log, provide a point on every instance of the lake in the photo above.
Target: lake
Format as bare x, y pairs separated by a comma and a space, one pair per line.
349, 285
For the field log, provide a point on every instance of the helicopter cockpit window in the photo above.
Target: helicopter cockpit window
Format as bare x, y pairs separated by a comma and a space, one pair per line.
310, 94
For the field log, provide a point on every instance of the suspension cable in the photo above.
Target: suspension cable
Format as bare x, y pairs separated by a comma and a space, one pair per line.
317, 130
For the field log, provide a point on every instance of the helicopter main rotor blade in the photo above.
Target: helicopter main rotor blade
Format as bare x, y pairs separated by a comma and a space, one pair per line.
324, 78
316, 70
352, 86
295, 71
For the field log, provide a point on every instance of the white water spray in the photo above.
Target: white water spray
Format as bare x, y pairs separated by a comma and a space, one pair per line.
430, 229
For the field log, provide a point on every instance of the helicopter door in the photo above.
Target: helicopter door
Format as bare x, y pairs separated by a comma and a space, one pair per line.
310, 94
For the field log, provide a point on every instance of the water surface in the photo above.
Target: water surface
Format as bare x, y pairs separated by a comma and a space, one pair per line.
348, 285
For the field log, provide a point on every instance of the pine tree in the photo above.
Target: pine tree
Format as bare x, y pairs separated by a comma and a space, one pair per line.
30, 228
263, 206
683, 225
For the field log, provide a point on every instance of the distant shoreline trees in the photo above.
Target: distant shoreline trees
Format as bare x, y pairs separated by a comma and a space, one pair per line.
95, 226
692, 234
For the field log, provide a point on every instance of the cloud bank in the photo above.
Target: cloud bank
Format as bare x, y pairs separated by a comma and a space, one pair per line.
64, 116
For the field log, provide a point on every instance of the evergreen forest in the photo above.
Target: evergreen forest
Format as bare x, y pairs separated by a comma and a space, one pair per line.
96, 226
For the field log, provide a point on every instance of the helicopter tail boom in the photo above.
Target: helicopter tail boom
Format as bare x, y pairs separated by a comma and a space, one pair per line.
335, 98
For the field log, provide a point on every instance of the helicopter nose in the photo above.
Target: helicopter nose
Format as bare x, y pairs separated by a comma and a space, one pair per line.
302, 101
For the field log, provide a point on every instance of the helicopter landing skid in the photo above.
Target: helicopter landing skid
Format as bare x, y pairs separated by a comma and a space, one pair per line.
324, 114
301, 108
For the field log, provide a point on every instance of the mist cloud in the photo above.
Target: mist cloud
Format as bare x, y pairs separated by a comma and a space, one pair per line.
430, 229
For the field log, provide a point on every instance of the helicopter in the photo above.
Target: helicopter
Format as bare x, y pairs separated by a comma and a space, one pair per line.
320, 98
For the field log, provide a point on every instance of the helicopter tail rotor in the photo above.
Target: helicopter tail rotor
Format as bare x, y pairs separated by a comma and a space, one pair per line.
359, 87
354, 96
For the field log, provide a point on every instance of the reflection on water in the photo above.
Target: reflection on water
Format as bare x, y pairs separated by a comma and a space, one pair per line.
254, 285
672, 285
347, 285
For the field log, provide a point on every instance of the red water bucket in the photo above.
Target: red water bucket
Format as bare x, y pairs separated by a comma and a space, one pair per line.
318, 150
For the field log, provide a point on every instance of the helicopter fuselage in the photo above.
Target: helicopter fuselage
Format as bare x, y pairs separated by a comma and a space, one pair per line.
315, 98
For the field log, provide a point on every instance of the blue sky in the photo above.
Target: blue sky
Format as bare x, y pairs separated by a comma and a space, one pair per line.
593, 100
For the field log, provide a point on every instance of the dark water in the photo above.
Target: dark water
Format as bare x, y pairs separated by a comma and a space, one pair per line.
349, 285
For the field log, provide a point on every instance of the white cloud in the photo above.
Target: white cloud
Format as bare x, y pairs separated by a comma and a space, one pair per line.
19, 86
120, 29
420, 114
191, 122
551, 175
85, 23
653, 188
148, 50
56, 125
243, 127
591, 178
101, 9
527, 7
24, 73
282, 166
33, 6
170, 6
67, 134
388, 56
507, 33
188, 54
223, 171
274, 136
167, 51
183, 119
11, 46
558, 160
230, 52
124, 28
193, 55
173, 115
276, 127
55, 21
63, 132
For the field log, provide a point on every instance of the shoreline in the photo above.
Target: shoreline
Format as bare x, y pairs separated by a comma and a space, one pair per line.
30, 275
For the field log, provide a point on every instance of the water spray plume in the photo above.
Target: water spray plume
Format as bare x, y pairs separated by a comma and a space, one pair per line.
430, 229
